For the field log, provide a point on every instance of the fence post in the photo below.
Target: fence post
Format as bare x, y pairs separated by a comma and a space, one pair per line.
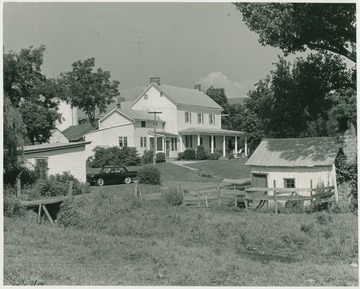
109, 207
276, 211
206, 201
18, 187
245, 200
39, 214
136, 188
198, 195
311, 194
71, 183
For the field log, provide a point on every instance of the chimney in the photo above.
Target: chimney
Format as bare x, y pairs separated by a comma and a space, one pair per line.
155, 79
119, 101
197, 86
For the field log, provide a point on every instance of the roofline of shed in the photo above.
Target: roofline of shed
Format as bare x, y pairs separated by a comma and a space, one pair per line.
54, 148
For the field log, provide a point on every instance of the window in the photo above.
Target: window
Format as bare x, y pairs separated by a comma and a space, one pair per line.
145, 96
143, 123
201, 141
143, 142
188, 116
123, 141
200, 117
289, 183
41, 166
188, 141
211, 119
174, 144
210, 141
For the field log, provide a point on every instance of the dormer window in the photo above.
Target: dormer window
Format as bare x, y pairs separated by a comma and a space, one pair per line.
145, 96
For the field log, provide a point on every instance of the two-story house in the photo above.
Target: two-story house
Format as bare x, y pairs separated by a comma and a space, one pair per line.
185, 118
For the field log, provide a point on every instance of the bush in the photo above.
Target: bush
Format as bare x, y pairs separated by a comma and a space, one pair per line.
58, 185
147, 157
71, 211
149, 175
27, 176
12, 207
189, 154
160, 158
126, 156
215, 156
174, 197
180, 156
201, 154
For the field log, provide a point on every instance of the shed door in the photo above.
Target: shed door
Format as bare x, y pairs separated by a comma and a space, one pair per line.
259, 181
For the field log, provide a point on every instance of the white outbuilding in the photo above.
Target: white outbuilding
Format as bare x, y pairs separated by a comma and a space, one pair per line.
58, 157
295, 163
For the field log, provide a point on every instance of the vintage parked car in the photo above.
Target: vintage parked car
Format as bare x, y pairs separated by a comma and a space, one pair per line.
112, 175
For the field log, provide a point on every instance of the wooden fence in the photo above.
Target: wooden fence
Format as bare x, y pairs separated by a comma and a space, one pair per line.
316, 195
206, 196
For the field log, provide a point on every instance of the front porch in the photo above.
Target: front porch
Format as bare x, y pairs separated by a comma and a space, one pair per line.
214, 139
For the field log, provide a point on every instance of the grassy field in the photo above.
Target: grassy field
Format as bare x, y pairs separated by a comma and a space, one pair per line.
230, 169
156, 244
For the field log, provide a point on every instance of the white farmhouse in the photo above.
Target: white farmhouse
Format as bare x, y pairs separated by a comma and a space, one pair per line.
295, 163
186, 118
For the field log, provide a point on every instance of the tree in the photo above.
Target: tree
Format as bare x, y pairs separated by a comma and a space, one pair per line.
31, 92
294, 27
88, 90
309, 98
218, 95
14, 134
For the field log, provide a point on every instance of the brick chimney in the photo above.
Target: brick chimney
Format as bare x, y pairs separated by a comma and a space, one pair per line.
155, 79
119, 101
197, 86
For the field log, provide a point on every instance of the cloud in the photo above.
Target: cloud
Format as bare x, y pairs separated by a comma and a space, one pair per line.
220, 80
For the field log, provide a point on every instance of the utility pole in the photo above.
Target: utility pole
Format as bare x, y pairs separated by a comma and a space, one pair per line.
155, 140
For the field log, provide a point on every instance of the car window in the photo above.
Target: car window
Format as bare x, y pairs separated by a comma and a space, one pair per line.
113, 170
122, 170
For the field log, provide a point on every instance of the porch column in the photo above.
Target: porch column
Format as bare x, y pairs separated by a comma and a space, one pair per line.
246, 148
224, 146
236, 148
181, 144
198, 139
212, 144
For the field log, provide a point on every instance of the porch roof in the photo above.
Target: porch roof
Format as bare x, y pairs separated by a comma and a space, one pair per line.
164, 133
212, 131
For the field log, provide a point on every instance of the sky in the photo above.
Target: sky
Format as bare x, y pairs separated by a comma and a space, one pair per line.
182, 43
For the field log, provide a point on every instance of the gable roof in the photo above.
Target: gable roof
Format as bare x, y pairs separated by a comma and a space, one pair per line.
184, 96
76, 132
131, 114
295, 152
53, 147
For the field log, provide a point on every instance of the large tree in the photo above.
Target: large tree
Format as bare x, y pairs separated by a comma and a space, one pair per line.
296, 26
311, 97
87, 89
218, 95
29, 91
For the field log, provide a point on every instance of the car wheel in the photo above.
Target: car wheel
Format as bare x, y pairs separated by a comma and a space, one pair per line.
100, 182
127, 180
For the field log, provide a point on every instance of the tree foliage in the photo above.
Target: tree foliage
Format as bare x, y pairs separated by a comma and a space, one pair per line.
312, 97
218, 95
297, 26
126, 156
31, 92
13, 135
87, 89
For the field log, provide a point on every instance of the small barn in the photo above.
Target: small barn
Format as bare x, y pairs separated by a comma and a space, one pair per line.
295, 163
58, 157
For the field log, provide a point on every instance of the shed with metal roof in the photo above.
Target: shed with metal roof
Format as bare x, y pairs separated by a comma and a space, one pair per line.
295, 163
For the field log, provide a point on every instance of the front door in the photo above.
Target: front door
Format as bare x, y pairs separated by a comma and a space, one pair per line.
259, 181
167, 147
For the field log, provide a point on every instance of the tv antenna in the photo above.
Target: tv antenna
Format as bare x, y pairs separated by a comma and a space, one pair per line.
139, 43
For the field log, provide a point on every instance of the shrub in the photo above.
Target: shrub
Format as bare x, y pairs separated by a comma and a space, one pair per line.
230, 156
126, 156
215, 156
180, 156
149, 175
12, 207
189, 154
160, 158
27, 176
174, 197
147, 157
201, 154
71, 211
